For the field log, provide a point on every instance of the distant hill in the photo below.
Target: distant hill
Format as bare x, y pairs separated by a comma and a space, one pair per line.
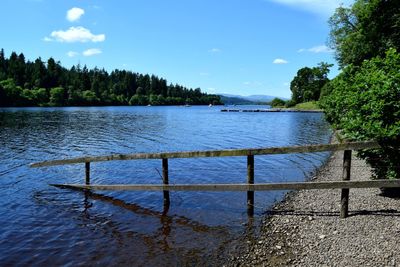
233, 100
246, 100
260, 98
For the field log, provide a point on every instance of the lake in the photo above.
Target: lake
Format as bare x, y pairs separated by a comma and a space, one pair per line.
42, 225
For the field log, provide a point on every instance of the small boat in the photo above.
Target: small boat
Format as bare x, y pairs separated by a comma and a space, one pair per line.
187, 105
210, 105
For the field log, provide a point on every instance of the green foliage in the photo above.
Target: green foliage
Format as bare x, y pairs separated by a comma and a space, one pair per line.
306, 85
57, 96
367, 29
11, 92
326, 90
277, 102
40, 96
364, 104
20, 80
290, 103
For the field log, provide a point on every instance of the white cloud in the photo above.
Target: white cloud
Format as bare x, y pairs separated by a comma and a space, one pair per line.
204, 73
316, 49
72, 54
214, 50
75, 34
75, 14
91, 52
322, 7
280, 61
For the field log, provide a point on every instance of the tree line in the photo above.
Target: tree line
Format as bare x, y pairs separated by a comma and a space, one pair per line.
38, 83
363, 101
308, 85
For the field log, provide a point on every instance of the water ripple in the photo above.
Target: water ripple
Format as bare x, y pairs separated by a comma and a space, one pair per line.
62, 227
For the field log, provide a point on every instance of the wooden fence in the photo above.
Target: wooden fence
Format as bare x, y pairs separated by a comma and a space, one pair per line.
345, 184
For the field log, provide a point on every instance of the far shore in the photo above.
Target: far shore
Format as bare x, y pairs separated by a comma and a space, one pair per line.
273, 110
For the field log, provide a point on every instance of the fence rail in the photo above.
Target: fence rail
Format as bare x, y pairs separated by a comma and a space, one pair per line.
215, 153
239, 187
250, 187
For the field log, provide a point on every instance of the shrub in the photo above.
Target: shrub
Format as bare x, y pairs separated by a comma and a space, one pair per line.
364, 104
277, 102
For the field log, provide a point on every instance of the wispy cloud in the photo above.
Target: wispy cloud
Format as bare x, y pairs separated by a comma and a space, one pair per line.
322, 7
91, 52
214, 50
316, 49
75, 34
280, 61
204, 74
74, 14
72, 54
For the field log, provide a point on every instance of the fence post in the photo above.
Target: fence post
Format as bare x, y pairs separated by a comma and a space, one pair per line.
87, 173
250, 180
165, 181
344, 211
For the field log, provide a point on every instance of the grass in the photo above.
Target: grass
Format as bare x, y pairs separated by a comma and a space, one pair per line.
312, 105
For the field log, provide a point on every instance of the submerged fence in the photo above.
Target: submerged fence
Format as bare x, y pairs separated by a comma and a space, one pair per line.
345, 184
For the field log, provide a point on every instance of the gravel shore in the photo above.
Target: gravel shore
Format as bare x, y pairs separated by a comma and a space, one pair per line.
305, 229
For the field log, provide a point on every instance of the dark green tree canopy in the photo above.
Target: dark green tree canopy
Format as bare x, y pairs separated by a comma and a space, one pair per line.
307, 84
364, 104
365, 30
277, 102
25, 83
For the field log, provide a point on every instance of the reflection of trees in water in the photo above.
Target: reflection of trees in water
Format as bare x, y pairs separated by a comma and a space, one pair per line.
177, 239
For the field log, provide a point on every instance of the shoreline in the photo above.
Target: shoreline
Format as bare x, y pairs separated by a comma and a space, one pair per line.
305, 229
274, 110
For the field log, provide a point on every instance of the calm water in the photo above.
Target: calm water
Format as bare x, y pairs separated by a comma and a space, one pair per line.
42, 225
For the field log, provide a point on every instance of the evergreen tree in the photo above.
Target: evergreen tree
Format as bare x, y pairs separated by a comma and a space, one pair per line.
38, 84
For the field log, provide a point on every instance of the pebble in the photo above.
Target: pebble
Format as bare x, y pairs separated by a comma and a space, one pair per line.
363, 239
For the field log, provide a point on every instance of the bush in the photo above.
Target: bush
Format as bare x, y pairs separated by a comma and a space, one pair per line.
364, 104
290, 103
277, 102
57, 96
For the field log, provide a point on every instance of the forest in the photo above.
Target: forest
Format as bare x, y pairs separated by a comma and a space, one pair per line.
363, 100
39, 83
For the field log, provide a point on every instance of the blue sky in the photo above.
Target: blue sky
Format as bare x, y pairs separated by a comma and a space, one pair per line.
240, 47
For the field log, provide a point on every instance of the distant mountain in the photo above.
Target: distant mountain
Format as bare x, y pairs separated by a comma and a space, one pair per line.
233, 100
259, 98
251, 99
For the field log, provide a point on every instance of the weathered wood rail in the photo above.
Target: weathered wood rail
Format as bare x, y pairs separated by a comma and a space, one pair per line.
250, 187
